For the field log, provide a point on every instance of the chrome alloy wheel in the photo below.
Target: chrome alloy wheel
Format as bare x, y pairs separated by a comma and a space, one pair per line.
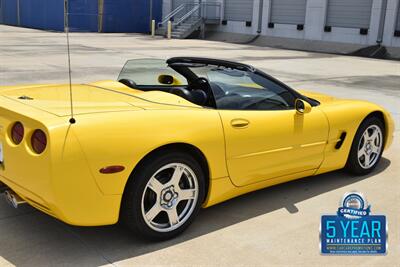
370, 146
170, 197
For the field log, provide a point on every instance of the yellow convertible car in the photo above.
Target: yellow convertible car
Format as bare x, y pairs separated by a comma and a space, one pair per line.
170, 137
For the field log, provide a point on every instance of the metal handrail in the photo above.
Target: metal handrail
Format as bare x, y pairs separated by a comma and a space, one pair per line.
203, 11
171, 14
187, 15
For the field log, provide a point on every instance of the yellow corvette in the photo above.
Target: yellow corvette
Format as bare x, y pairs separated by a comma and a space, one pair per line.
170, 137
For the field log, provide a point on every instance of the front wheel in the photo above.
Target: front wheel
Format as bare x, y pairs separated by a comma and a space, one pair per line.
367, 147
164, 196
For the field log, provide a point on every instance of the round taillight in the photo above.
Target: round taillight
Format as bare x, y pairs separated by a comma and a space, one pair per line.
17, 133
38, 141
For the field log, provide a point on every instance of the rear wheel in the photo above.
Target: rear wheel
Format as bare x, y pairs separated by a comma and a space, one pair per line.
367, 147
164, 196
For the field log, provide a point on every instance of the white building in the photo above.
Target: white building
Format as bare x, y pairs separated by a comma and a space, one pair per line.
359, 22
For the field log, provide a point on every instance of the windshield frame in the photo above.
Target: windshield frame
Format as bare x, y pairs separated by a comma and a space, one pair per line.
182, 66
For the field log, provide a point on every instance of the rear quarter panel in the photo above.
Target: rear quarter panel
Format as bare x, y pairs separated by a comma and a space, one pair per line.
124, 138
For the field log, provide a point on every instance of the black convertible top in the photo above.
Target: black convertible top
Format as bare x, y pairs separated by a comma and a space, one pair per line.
209, 61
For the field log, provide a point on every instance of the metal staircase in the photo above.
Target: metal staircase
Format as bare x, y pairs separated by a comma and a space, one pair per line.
189, 18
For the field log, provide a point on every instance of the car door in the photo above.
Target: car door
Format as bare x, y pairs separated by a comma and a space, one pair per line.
265, 136
266, 144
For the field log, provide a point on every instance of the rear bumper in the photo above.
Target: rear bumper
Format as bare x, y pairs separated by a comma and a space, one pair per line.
72, 207
31, 198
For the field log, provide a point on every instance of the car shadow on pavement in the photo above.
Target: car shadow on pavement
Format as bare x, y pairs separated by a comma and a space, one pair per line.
29, 237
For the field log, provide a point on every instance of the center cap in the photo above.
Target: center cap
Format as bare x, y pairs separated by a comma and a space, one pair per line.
168, 196
368, 148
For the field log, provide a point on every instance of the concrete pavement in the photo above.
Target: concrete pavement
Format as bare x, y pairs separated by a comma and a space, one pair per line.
275, 226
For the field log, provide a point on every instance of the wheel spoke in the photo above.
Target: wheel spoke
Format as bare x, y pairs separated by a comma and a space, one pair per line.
374, 135
155, 185
361, 152
177, 175
173, 216
185, 194
366, 160
366, 136
153, 212
375, 149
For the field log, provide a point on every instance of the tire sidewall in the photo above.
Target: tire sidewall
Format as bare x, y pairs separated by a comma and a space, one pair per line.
353, 164
133, 197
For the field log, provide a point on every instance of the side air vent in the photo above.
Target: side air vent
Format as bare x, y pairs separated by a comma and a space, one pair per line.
341, 140
24, 97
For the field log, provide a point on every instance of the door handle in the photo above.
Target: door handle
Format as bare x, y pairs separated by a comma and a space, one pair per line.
240, 123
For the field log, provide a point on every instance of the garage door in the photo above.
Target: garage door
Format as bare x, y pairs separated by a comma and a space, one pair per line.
349, 13
239, 10
288, 11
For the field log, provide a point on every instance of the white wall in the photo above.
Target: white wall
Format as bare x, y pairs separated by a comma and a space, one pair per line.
315, 19
314, 24
391, 18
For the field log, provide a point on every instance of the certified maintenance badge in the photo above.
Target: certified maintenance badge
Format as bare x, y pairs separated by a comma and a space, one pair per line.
353, 230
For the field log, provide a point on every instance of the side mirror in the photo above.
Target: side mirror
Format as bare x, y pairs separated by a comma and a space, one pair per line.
166, 79
302, 107
128, 83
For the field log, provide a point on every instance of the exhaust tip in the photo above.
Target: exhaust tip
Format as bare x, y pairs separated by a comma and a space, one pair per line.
13, 199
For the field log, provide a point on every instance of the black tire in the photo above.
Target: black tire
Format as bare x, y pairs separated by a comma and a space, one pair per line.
353, 164
131, 208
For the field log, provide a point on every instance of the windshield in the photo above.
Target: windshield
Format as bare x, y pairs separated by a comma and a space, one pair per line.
243, 89
145, 72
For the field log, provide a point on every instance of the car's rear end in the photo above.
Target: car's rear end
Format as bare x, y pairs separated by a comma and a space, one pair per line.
25, 166
42, 163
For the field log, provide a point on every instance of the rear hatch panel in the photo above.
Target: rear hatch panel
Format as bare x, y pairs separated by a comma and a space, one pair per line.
56, 99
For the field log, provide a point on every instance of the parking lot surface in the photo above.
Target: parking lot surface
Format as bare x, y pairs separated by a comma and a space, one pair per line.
275, 226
